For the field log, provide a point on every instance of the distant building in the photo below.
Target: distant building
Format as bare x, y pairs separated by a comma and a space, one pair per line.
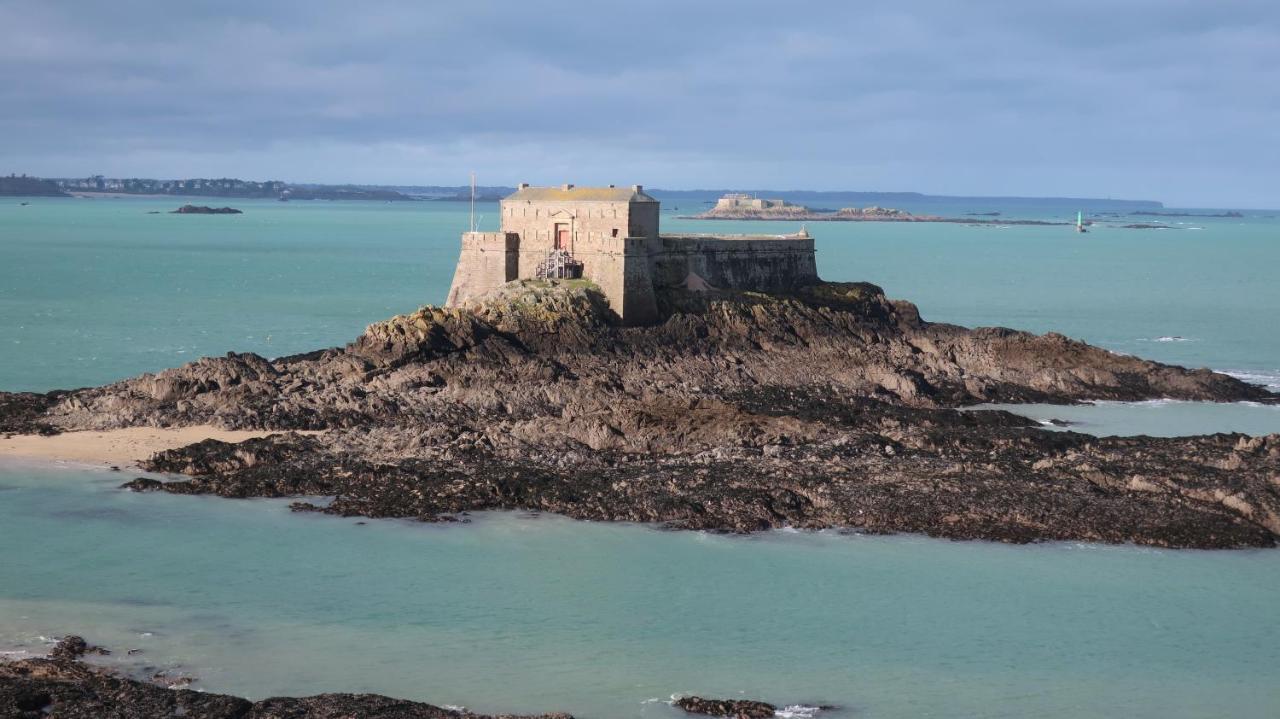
610, 235
732, 202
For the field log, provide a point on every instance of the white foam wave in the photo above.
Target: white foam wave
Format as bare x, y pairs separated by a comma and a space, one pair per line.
1270, 380
1162, 402
18, 654
1168, 338
797, 711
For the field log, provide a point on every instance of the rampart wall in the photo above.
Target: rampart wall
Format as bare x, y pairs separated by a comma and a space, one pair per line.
728, 262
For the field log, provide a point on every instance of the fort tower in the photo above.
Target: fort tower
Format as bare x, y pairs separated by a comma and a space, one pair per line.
610, 235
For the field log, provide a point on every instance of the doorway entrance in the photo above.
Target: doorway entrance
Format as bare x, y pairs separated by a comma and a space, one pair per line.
562, 236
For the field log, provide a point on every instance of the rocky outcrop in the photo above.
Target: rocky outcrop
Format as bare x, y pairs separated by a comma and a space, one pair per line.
733, 708
831, 406
874, 212
65, 688
23, 412
72, 647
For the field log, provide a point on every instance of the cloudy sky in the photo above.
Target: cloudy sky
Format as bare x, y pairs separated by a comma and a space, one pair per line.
1170, 100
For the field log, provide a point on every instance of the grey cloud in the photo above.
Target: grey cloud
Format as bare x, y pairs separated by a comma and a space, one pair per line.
1150, 99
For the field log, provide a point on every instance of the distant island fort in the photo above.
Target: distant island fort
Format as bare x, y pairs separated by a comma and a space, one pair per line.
610, 235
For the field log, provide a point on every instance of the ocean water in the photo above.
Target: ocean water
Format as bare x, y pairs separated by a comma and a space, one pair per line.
94, 290
1156, 418
513, 612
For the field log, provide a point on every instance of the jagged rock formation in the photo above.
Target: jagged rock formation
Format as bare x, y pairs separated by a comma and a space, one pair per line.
732, 708
62, 687
830, 406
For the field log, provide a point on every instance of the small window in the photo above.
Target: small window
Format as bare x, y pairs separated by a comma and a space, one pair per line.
615, 232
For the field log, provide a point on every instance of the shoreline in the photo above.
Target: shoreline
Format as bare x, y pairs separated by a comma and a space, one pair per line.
129, 447
125, 448
63, 683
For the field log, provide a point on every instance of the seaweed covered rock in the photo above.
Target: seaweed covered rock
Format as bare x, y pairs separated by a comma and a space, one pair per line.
63, 687
731, 708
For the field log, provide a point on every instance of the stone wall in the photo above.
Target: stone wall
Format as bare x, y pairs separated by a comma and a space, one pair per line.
487, 260
594, 227
748, 262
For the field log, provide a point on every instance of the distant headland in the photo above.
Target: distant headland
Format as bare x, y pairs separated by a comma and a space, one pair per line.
23, 186
99, 185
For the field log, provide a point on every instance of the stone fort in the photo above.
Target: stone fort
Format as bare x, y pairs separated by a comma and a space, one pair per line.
610, 235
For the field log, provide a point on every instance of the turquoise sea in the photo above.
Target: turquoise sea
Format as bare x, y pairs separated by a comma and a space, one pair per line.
517, 612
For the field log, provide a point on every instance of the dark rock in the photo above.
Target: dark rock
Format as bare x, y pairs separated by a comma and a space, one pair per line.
65, 688
733, 708
22, 412
69, 647
203, 210
72, 647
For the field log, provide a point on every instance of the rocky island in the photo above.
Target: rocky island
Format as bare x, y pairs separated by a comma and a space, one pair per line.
687, 381
831, 406
707, 382
746, 207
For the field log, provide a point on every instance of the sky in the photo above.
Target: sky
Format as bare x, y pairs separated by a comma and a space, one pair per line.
1165, 100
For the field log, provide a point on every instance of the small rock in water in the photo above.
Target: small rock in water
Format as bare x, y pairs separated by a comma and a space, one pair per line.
204, 210
733, 708
72, 647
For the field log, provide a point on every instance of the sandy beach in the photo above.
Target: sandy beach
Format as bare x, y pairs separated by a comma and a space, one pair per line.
117, 447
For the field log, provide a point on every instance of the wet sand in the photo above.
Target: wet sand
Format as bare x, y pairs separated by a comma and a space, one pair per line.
116, 447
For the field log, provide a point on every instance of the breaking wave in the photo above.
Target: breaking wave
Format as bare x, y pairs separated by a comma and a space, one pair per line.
797, 711
1268, 379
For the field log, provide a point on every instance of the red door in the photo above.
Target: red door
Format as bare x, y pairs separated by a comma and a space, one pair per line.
562, 237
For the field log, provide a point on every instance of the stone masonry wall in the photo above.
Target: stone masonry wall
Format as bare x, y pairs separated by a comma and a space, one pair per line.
595, 228
487, 260
727, 262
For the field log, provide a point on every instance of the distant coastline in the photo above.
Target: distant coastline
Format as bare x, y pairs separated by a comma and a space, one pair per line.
23, 186
100, 186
